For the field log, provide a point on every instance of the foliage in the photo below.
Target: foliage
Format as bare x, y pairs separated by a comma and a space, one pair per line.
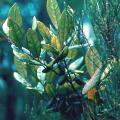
70, 64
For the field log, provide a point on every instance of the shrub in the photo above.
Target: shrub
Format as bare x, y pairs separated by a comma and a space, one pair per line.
72, 64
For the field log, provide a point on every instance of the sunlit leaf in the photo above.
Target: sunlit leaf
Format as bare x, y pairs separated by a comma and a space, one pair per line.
76, 64
34, 23
20, 79
53, 11
33, 43
41, 76
19, 53
5, 27
39, 87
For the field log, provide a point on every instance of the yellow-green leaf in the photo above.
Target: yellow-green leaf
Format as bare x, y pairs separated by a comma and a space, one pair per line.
44, 30
55, 42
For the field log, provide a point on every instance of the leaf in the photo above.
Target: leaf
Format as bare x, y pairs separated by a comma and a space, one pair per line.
88, 30
92, 60
65, 26
53, 11
20, 67
50, 89
5, 27
14, 23
25, 83
77, 51
24, 55
61, 79
20, 79
76, 64
50, 77
44, 31
28, 72
50, 48
32, 74
33, 43
55, 42
62, 54
41, 76
16, 33
106, 72
34, 23
93, 81
39, 87
15, 15
21, 55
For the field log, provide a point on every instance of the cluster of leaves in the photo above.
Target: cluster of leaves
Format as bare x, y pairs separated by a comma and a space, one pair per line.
59, 62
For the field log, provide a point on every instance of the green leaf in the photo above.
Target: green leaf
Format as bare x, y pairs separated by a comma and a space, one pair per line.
15, 15
92, 60
53, 11
24, 82
50, 90
65, 25
20, 67
77, 51
50, 77
50, 48
13, 26
33, 43
28, 72
24, 55
44, 30
16, 33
